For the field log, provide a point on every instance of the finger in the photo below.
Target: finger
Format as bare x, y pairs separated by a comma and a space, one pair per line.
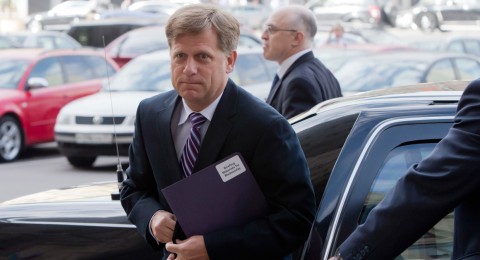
171, 257
171, 247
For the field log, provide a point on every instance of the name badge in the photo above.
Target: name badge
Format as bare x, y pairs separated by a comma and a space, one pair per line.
230, 168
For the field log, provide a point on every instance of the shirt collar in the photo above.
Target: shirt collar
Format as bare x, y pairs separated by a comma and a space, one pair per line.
289, 61
207, 112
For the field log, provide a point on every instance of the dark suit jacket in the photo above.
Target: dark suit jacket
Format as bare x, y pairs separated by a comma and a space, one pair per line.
241, 123
446, 180
306, 83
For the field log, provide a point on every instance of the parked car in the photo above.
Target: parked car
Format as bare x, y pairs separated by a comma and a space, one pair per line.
35, 84
357, 35
356, 148
6, 42
88, 128
43, 39
429, 15
61, 16
99, 33
366, 12
139, 41
335, 56
467, 44
383, 70
250, 15
159, 7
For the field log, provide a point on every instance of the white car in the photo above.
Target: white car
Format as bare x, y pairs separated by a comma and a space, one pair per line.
97, 124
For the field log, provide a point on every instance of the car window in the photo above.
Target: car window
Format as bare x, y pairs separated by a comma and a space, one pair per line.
64, 43
472, 47
49, 69
11, 71
468, 69
455, 46
99, 66
76, 69
250, 69
46, 42
441, 71
437, 243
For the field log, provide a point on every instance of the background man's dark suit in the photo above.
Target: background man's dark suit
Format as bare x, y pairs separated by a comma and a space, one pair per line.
241, 123
448, 179
306, 83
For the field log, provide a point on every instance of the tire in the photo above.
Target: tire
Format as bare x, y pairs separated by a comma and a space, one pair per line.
81, 162
11, 139
427, 22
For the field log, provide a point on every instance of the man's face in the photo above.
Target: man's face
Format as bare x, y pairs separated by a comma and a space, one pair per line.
277, 38
199, 68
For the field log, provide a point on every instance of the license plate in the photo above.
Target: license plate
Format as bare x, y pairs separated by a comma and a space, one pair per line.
94, 138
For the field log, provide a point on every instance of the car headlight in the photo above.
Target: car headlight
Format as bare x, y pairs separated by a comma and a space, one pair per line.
65, 119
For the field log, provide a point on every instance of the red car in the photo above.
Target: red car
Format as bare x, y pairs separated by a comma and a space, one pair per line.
35, 84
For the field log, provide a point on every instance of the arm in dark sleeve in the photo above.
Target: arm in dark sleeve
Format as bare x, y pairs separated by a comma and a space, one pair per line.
418, 200
138, 193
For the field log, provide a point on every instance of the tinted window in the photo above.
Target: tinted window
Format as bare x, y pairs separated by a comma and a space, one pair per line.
436, 243
49, 69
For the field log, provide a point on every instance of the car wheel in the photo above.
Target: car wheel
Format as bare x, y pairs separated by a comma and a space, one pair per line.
11, 139
427, 22
81, 162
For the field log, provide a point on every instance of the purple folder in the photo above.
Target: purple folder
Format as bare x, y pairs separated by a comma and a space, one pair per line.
219, 196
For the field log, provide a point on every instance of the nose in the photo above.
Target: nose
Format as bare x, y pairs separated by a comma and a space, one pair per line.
190, 67
264, 35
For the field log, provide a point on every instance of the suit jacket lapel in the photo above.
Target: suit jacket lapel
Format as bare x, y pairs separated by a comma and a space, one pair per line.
305, 57
218, 129
273, 91
163, 126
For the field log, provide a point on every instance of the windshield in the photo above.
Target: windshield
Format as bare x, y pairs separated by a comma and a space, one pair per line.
143, 75
11, 72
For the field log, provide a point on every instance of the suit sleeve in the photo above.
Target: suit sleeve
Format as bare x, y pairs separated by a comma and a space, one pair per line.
300, 96
418, 200
282, 172
138, 192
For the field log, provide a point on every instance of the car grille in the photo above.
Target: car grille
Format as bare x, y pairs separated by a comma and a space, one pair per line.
98, 120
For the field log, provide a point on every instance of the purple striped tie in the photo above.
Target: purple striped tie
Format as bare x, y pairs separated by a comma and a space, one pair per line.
192, 146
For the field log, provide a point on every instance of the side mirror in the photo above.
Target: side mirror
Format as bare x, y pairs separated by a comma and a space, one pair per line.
34, 83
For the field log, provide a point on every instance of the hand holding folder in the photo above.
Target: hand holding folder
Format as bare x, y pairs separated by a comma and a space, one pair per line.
221, 195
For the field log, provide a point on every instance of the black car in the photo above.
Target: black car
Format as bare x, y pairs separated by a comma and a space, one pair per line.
356, 147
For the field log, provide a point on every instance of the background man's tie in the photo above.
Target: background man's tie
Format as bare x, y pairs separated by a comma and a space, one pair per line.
192, 146
275, 80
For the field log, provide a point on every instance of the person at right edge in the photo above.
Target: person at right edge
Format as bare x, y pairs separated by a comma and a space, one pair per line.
303, 81
203, 39
445, 181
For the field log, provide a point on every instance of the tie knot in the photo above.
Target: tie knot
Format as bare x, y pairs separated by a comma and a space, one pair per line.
197, 119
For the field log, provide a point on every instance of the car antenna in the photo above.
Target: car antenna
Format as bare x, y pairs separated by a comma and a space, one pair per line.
120, 173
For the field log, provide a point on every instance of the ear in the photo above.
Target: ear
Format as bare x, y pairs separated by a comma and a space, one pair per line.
231, 59
299, 38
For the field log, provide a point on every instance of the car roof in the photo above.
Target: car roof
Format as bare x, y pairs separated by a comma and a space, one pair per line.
31, 53
439, 92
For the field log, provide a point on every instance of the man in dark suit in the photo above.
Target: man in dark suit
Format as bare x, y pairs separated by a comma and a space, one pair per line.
449, 179
203, 40
303, 81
